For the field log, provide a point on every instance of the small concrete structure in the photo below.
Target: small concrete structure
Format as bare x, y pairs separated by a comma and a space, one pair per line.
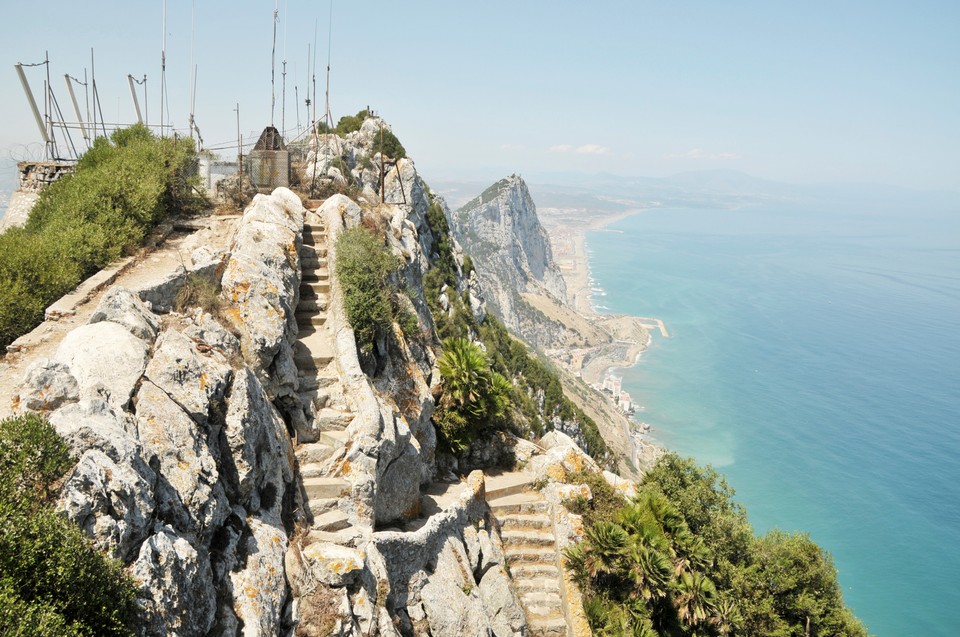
268, 164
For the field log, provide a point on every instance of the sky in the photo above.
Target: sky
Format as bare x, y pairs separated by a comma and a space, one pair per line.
813, 92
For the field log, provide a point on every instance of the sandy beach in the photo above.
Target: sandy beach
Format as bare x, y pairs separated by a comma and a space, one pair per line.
626, 337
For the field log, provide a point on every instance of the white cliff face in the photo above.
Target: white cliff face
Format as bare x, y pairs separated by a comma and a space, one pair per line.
501, 232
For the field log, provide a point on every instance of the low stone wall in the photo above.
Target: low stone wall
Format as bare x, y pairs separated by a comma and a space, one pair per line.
34, 176
380, 462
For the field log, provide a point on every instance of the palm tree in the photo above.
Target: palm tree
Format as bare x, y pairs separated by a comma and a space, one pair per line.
649, 570
695, 599
606, 543
466, 376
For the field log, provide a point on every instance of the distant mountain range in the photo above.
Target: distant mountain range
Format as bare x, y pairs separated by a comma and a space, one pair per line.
722, 189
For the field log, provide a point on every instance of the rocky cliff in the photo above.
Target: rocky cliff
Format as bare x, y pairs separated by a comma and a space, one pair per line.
502, 234
254, 471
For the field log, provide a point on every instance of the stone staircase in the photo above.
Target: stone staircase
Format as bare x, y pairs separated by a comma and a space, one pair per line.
530, 546
319, 383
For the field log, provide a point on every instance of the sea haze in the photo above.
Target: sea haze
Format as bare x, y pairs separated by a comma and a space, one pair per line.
814, 359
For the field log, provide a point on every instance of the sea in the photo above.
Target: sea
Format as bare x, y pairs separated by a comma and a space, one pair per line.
813, 358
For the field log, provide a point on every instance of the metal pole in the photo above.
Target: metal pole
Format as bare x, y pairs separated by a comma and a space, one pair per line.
273, 63
239, 147
133, 95
33, 103
76, 108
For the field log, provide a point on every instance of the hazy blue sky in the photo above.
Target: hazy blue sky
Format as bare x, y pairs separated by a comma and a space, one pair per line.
800, 92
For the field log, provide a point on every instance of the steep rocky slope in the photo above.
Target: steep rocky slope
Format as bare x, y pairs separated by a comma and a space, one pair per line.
255, 472
501, 232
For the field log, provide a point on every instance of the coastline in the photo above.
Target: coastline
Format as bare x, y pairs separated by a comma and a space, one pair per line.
631, 335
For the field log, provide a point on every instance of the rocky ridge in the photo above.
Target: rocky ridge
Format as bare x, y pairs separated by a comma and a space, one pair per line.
255, 475
503, 235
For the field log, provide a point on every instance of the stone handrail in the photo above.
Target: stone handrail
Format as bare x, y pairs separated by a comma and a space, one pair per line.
367, 425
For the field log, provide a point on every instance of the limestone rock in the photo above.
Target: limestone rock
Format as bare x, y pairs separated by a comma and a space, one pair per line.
182, 450
398, 472
161, 294
262, 278
47, 386
110, 492
331, 564
259, 586
343, 206
453, 613
501, 603
176, 592
125, 308
104, 356
258, 445
191, 375
503, 235
111, 502
204, 331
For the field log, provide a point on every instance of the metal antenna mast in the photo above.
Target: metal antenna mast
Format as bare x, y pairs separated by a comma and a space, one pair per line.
283, 90
76, 107
163, 69
328, 116
193, 69
313, 119
273, 62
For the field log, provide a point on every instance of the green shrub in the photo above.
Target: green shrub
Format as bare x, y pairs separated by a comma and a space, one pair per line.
199, 291
474, 396
351, 123
52, 581
32, 459
122, 187
386, 143
363, 266
680, 559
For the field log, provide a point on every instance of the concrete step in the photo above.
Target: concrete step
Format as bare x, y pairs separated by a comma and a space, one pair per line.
335, 520
544, 584
537, 570
317, 287
311, 318
528, 554
312, 289
315, 274
308, 382
335, 438
314, 468
311, 382
310, 250
312, 262
313, 453
322, 505
550, 625
312, 353
518, 503
524, 537
524, 521
330, 418
313, 300
313, 236
319, 487
499, 486
544, 602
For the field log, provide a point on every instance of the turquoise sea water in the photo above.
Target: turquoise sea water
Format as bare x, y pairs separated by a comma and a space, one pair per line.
814, 359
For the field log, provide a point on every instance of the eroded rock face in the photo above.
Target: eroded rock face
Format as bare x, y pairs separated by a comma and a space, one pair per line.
503, 235
261, 283
177, 595
184, 463
105, 359
123, 307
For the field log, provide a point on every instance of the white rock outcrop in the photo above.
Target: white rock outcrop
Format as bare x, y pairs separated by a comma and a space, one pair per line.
185, 467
